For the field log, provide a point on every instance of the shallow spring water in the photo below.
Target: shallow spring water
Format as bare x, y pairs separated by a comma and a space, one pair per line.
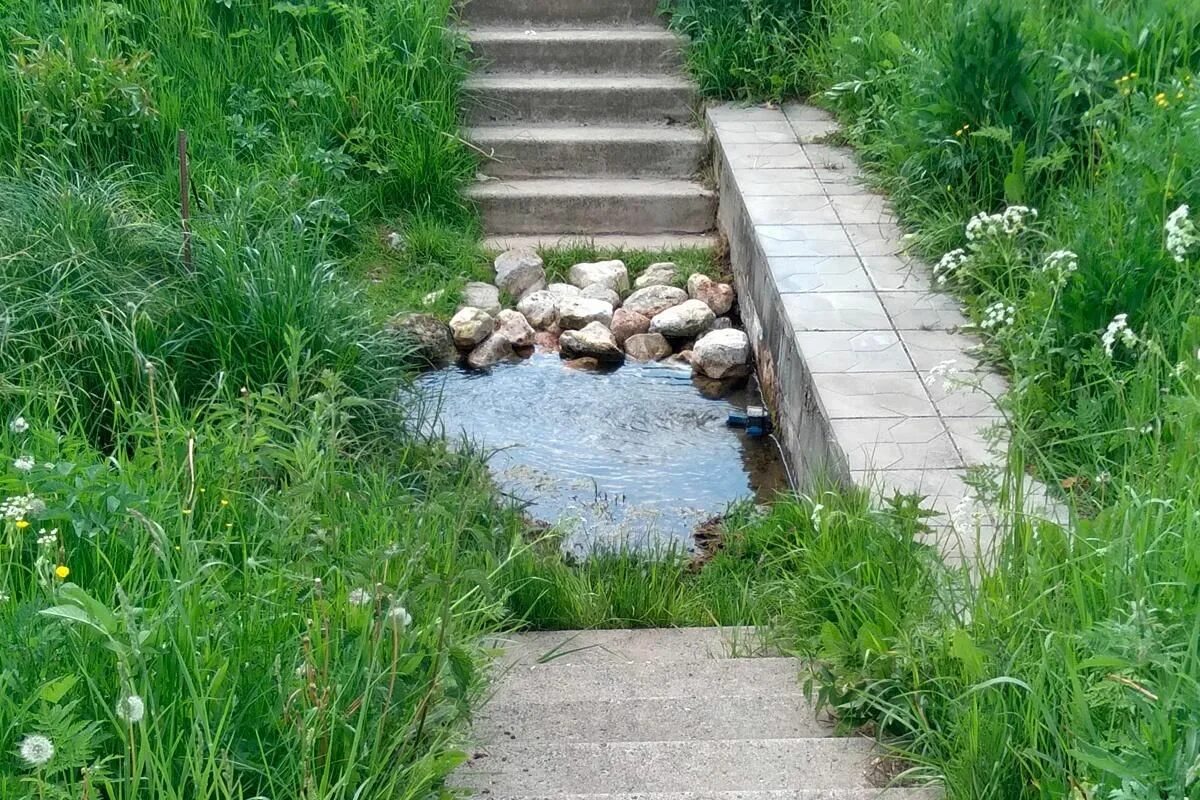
633, 457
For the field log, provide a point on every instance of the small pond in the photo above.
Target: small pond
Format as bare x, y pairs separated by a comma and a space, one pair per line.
634, 456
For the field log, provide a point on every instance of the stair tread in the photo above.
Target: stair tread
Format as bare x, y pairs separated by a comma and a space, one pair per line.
589, 187
826, 793
586, 133
591, 33
608, 242
574, 81
568, 648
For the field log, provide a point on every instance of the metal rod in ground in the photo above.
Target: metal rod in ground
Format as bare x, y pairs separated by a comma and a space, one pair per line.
184, 200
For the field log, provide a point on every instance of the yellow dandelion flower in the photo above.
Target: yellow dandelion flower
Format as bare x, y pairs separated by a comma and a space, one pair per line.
62, 571
224, 502
1160, 100
22, 524
185, 511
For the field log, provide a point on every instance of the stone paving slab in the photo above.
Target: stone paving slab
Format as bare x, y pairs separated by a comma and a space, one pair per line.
847, 326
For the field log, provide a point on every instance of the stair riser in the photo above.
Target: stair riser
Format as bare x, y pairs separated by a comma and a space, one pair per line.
556, 12
583, 105
532, 54
525, 158
599, 215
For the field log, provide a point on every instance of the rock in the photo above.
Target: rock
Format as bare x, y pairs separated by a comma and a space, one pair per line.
664, 273
686, 355
470, 326
626, 323
520, 271
612, 274
577, 312
513, 326
429, 337
690, 318
483, 296
546, 341
717, 389
592, 341
493, 350
717, 296
654, 299
583, 364
721, 323
540, 309
722, 354
647, 347
561, 290
598, 291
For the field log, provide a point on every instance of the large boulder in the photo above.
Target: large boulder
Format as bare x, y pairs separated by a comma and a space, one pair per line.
690, 318
428, 336
722, 354
470, 326
546, 341
626, 323
664, 273
513, 326
520, 271
598, 291
482, 295
577, 312
592, 341
563, 290
491, 352
717, 296
647, 347
612, 274
654, 300
540, 309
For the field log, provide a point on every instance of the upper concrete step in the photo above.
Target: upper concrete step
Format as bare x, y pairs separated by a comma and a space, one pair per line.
533, 13
648, 242
581, 51
708, 677
741, 714
779, 794
551, 151
635, 767
594, 206
661, 645
582, 99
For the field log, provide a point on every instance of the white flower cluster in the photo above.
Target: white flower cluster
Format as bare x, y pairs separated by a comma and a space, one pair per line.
1061, 264
1118, 331
360, 597
966, 516
1010, 222
998, 315
23, 463
21, 506
47, 538
949, 263
944, 371
1181, 233
18, 425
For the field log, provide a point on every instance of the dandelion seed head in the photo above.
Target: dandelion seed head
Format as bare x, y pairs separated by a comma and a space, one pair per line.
131, 709
399, 616
36, 750
360, 597
18, 425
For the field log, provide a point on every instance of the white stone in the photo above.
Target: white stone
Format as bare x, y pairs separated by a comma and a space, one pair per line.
513, 326
647, 347
722, 353
664, 273
592, 341
520, 271
577, 312
563, 290
482, 295
470, 326
540, 309
654, 299
612, 274
687, 319
598, 291
717, 296
493, 350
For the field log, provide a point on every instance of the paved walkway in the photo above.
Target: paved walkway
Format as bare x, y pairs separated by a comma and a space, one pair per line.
662, 714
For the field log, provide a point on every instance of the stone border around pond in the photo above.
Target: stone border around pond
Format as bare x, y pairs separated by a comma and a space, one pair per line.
846, 327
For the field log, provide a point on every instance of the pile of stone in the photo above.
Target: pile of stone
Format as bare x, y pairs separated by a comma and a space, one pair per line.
598, 317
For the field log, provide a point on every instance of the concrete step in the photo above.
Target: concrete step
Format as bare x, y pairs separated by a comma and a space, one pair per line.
780, 794
708, 677
653, 719
534, 13
577, 50
594, 206
526, 151
661, 645
653, 242
580, 99
635, 767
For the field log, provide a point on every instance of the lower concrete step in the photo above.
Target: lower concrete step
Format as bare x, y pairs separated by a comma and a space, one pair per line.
549, 151
626, 50
828, 793
651, 242
594, 206
533, 13
700, 766
581, 99
625, 646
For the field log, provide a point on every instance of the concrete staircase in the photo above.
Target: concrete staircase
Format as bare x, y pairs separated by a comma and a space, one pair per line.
588, 123
659, 715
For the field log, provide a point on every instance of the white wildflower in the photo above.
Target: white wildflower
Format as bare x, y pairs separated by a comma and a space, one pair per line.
47, 538
1016, 218
131, 709
1181, 233
23, 463
1061, 264
966, 516
21, 507
18, 425
998, 315
4, 596
816, 514
949, 263
399, 616
1104, 477
1118, 331
360, 597
36, 750
982, 225
944, 371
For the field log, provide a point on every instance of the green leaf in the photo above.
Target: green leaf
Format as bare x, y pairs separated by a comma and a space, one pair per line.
54, 691
972, 658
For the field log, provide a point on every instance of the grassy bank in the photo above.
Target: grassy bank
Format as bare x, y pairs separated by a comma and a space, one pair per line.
1073, 669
